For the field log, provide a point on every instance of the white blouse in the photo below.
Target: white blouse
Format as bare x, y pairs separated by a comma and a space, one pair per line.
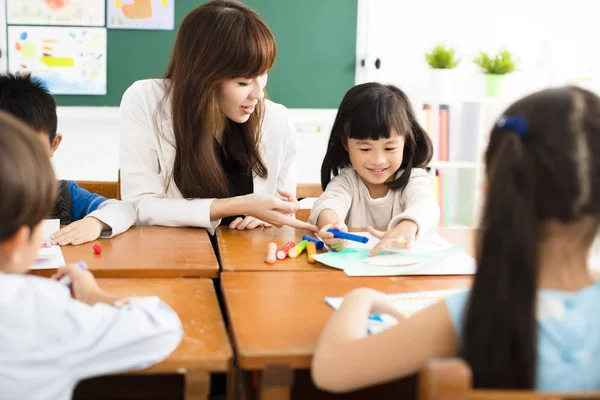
147, 155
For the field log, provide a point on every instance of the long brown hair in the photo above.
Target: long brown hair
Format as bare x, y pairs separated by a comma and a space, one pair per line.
542, 167
220, 40
27, 182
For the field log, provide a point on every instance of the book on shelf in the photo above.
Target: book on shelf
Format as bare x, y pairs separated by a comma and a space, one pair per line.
459, 132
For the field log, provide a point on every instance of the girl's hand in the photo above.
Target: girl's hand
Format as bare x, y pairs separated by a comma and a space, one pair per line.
333, 243
402, 236
378, 302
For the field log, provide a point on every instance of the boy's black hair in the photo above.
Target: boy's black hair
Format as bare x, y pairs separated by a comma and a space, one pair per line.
372, 111
27, 98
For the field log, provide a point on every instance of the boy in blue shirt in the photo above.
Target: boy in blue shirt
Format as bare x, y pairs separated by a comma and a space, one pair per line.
87, 216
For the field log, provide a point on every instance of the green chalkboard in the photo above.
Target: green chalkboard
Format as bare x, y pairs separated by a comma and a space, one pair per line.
316, 47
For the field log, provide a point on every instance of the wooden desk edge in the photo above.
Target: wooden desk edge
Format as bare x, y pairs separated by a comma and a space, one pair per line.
136, 274
248, 362
211, 364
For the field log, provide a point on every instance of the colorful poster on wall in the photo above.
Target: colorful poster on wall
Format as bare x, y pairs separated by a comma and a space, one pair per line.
56, 12
68, 60
141, 14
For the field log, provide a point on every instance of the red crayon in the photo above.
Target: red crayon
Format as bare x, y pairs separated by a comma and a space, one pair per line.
283, 251
97, 249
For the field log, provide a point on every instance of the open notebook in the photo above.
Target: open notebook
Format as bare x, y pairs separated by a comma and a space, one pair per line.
49, 256
430, 255
407, 303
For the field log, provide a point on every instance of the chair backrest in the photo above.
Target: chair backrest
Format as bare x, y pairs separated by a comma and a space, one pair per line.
451, 379
110, 190
306, 191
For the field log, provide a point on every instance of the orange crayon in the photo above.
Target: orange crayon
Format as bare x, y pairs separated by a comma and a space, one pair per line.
271, 250
311, 250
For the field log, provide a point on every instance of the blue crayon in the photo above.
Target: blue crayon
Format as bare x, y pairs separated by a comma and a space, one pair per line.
375, 317
317, 242
348, 236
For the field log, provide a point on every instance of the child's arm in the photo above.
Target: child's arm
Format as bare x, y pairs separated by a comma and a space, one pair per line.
347, 358
101, 338
401, 236
329, 219
94, 216
419, 201
82, 229
330, 210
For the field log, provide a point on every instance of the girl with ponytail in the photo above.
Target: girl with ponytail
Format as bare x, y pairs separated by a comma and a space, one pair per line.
532, 318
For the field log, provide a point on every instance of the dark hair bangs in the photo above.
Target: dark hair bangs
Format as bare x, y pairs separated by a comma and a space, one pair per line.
377, 120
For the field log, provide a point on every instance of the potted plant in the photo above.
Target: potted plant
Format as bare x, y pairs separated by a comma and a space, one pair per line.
494, 70
442, 59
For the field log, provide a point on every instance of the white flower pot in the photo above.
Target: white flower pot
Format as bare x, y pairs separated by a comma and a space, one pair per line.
443, 84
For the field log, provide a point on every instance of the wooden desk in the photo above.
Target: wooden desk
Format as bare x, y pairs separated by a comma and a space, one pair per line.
205, 345
276, 318
148, 252
246, 250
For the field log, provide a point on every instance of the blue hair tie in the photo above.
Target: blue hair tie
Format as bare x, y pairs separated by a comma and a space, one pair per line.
512, 124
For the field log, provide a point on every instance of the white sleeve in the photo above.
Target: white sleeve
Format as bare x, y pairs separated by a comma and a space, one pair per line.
419, 201
337, 197
288, 175
141, 180
103, 339
118, 215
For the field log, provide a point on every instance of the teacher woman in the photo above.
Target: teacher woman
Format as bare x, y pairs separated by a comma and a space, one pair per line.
203, 147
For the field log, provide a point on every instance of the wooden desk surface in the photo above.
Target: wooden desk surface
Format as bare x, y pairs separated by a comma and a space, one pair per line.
276, 318
148, 252
246, 250
205, 344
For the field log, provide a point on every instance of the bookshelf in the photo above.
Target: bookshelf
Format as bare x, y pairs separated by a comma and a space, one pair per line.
459, 130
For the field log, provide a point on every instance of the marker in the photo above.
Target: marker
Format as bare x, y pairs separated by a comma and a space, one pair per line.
311, 250
271, 250
348, 236
66, 280
283, 251
375, 317
298, 249
319, 243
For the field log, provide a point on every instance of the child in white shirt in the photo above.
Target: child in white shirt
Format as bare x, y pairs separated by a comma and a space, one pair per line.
49, 340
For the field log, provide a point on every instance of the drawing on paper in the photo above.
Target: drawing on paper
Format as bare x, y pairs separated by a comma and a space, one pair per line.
141, 14
68, 60
56, 12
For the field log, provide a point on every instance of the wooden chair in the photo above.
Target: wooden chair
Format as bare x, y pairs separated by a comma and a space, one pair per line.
303, 191
110, 190
451, 379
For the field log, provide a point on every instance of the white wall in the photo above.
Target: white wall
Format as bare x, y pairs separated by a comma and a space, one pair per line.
3, 39
90, 147
553, 42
